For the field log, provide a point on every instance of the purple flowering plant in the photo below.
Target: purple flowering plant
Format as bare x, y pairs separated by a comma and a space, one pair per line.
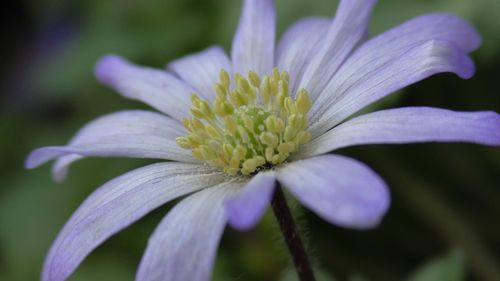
235, 129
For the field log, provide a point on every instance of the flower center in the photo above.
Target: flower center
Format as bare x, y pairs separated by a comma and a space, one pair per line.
251, 125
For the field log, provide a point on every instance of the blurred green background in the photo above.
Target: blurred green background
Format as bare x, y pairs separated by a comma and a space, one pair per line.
444, 219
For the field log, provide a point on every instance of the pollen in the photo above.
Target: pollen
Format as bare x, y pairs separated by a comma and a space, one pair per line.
253, 124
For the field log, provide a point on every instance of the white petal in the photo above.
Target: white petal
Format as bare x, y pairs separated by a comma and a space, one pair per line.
408, 125
351, 91
154, 87
253, 43
341, 190
245, 209
184, 245
347, 29
201, 70
300, 43
369, 58
133, 133
117, 204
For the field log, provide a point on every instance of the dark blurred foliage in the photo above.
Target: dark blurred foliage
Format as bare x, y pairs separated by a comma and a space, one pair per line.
445, 196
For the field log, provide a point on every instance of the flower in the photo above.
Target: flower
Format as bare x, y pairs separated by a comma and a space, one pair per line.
265, 115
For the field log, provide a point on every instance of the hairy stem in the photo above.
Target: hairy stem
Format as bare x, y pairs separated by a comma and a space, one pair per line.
292, 239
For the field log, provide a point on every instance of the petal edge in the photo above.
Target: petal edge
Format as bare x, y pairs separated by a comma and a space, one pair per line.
245, 209
339, 189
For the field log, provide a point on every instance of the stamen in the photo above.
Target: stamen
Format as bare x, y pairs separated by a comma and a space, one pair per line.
251, 124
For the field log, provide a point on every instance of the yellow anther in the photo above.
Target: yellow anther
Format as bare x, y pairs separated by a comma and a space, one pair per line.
197, 153
290, 106
206, 110
212, 131
219, 107
240, 152
270, 123
197, 113
279, 158
269, 139
286, 148
294, 120
224, 78
292, 146
279, 125
246, 90
252, 126
238, 99
207, 152
215, 145
197, 124
187, 123
274, 124
248, 122
228, 149
250, 165
183, 142
260, 160
254, 78
283, 148
303, 102
231, 124
243, 84
303, 137
265, 90
276, 74
222, 107
238, 77
269, 154
280, 100
285, 76
289, 133
234, 163
301, 122
195, 140
243, 134
221, 91
224, 156
195, 100
283, 88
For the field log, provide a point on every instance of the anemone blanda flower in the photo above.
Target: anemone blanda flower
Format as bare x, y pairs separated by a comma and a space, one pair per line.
269, 113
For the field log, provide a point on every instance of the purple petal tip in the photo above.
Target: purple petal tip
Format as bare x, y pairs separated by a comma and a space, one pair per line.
238, 221
246, 208
34, 159
468, 70
42, 155
106, 66
29, 163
